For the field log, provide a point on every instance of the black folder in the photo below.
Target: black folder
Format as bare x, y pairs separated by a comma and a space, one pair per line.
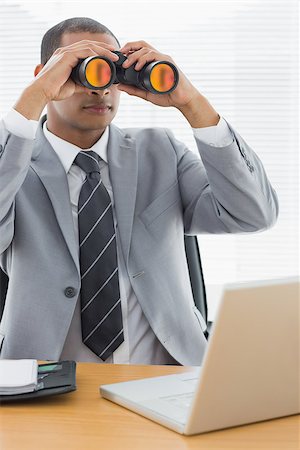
53, 378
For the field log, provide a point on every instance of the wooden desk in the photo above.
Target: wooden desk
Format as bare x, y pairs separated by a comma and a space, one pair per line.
83, 420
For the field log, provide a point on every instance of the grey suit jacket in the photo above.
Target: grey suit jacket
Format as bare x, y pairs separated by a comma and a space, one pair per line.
162, 190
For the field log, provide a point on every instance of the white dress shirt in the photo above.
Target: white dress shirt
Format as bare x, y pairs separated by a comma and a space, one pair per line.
140, 345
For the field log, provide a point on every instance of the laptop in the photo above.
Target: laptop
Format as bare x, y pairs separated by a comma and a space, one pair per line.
250, 370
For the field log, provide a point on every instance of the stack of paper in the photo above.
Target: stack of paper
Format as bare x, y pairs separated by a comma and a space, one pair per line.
18, 376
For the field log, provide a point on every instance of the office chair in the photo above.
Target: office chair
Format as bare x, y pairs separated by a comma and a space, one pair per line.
196, 277
195, 271
3, 290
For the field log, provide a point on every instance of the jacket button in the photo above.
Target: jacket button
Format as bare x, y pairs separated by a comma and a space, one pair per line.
70, 292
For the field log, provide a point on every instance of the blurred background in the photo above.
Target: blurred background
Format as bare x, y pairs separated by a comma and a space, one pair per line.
243, 55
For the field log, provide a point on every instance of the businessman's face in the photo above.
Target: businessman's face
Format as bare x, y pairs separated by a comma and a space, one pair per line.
73, 116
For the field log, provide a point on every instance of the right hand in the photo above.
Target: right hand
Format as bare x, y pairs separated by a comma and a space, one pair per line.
54, 78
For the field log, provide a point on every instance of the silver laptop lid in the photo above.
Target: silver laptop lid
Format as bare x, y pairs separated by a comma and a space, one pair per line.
251, 369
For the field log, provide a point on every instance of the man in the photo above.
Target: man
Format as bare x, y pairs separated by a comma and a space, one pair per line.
95, 256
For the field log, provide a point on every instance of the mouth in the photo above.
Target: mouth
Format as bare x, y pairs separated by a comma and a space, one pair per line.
97, 108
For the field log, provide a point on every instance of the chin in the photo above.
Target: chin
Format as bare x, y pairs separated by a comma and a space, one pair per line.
93, 123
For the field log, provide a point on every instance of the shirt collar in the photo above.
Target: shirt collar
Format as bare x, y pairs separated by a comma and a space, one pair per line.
67, 152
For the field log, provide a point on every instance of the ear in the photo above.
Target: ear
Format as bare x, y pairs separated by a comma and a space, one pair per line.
38, 69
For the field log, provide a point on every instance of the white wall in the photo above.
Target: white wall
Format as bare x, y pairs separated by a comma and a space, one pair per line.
242, 55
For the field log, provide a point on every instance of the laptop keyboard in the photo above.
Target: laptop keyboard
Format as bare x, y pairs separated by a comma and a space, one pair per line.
181, 400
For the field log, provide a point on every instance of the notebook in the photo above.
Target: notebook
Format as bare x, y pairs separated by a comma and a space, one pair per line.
25, 379
18, 376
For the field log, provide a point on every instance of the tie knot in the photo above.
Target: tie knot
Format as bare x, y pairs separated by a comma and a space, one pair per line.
88, 161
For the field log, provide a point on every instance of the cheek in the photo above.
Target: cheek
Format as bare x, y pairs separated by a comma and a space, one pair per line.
67, 107
116, 98
63, 105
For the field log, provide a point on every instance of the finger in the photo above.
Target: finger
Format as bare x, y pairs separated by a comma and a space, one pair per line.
148, 57
108, 52
98, 49
58, 63
134, 46
72, 57
104, 44
92, 51
100, 45
131, 59
85, 42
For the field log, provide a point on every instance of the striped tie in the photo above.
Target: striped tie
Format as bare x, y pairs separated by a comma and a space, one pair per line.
101, 314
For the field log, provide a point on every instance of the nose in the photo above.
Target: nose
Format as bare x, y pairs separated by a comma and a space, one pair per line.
99, 92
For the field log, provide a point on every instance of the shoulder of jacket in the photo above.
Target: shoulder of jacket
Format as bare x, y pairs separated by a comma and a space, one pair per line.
135, 132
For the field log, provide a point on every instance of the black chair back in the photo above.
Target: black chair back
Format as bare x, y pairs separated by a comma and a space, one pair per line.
3, 290
196, 274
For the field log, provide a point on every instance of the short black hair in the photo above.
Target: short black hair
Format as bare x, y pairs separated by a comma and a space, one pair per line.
52, 38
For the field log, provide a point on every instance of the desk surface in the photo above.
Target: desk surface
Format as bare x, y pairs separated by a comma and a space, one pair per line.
83, 420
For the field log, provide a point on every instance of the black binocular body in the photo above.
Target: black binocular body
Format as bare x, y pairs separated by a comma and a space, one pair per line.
99, 72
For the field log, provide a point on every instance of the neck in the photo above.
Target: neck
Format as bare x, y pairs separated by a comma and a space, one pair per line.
81, 138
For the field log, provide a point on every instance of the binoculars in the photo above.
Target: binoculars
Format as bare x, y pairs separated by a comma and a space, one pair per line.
99, 72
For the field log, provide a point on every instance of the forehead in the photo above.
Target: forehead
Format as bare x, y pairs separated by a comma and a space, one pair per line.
71, 38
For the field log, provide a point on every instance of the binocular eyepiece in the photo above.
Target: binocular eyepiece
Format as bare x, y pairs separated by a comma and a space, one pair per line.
99, 72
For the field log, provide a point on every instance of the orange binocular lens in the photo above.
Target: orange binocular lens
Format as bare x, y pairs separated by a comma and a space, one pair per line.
98, 72
162, 77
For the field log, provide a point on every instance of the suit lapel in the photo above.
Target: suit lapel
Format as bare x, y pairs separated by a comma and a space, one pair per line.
52, 174
122, 160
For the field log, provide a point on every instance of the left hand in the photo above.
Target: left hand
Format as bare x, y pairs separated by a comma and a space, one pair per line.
140, 53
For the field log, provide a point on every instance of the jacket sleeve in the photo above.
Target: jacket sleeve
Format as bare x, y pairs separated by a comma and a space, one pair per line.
226, 190
15, 156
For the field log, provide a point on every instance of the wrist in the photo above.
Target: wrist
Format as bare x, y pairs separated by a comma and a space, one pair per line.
31, 102
199, 112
